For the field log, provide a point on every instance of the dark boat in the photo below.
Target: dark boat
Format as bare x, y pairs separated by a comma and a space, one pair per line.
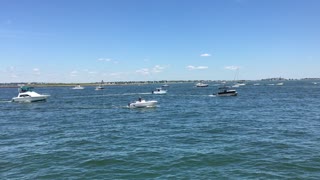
225, 91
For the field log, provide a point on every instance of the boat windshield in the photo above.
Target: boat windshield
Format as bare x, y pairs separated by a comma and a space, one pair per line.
25, 89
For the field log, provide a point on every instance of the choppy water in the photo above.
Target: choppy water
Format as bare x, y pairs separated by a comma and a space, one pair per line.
267, 132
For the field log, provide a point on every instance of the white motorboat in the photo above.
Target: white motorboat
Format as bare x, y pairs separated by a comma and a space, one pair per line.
141, 103
238, 84
78, 87
100, 87
159, 91
202, 85
279, 84
165, 85
27, 95
225, 91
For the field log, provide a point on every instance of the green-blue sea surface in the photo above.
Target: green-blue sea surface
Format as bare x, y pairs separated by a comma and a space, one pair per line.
266, 132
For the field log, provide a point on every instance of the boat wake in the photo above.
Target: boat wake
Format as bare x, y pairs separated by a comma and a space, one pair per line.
5, 101
141, 108
135, 93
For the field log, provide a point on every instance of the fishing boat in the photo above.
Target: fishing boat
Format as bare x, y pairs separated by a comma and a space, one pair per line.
26, 94
141, 103
78, 87
159, 91
225, 91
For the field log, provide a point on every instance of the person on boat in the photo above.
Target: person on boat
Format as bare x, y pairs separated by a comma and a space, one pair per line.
140, 99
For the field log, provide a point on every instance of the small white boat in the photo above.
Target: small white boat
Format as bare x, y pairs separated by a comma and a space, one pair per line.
225, 91
165, 85
141, 103
27, 95
78, 87
256, 84
279, 84
100, 87
239, 84
159, 91
202, 85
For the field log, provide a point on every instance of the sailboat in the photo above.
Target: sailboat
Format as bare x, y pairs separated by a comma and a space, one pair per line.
100, 87
238, 83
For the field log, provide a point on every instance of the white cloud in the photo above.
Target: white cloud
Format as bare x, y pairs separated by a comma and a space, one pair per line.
13, 75
108, 60
105, 59
36, 71
232, 67
115, 74
205, 55
74, 73
11, 69
12, 72
197, 67
144, 71
158, 69
118, 74
154, 70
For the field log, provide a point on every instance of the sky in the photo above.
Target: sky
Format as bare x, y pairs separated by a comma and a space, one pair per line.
137, 40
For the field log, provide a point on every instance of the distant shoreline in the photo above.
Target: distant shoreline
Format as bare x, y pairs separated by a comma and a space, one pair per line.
125, 83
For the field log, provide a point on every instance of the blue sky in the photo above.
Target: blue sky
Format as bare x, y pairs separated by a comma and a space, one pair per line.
128, 40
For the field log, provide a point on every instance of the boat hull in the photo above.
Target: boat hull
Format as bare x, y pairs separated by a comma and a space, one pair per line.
205, 85
143, 104
202, 85
30, 96
227, 94
30, 99
159, 92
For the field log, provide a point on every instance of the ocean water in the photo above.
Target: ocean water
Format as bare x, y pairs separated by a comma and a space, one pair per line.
266, 132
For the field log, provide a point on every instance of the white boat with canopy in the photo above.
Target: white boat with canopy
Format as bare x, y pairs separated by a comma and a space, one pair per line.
26, 94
